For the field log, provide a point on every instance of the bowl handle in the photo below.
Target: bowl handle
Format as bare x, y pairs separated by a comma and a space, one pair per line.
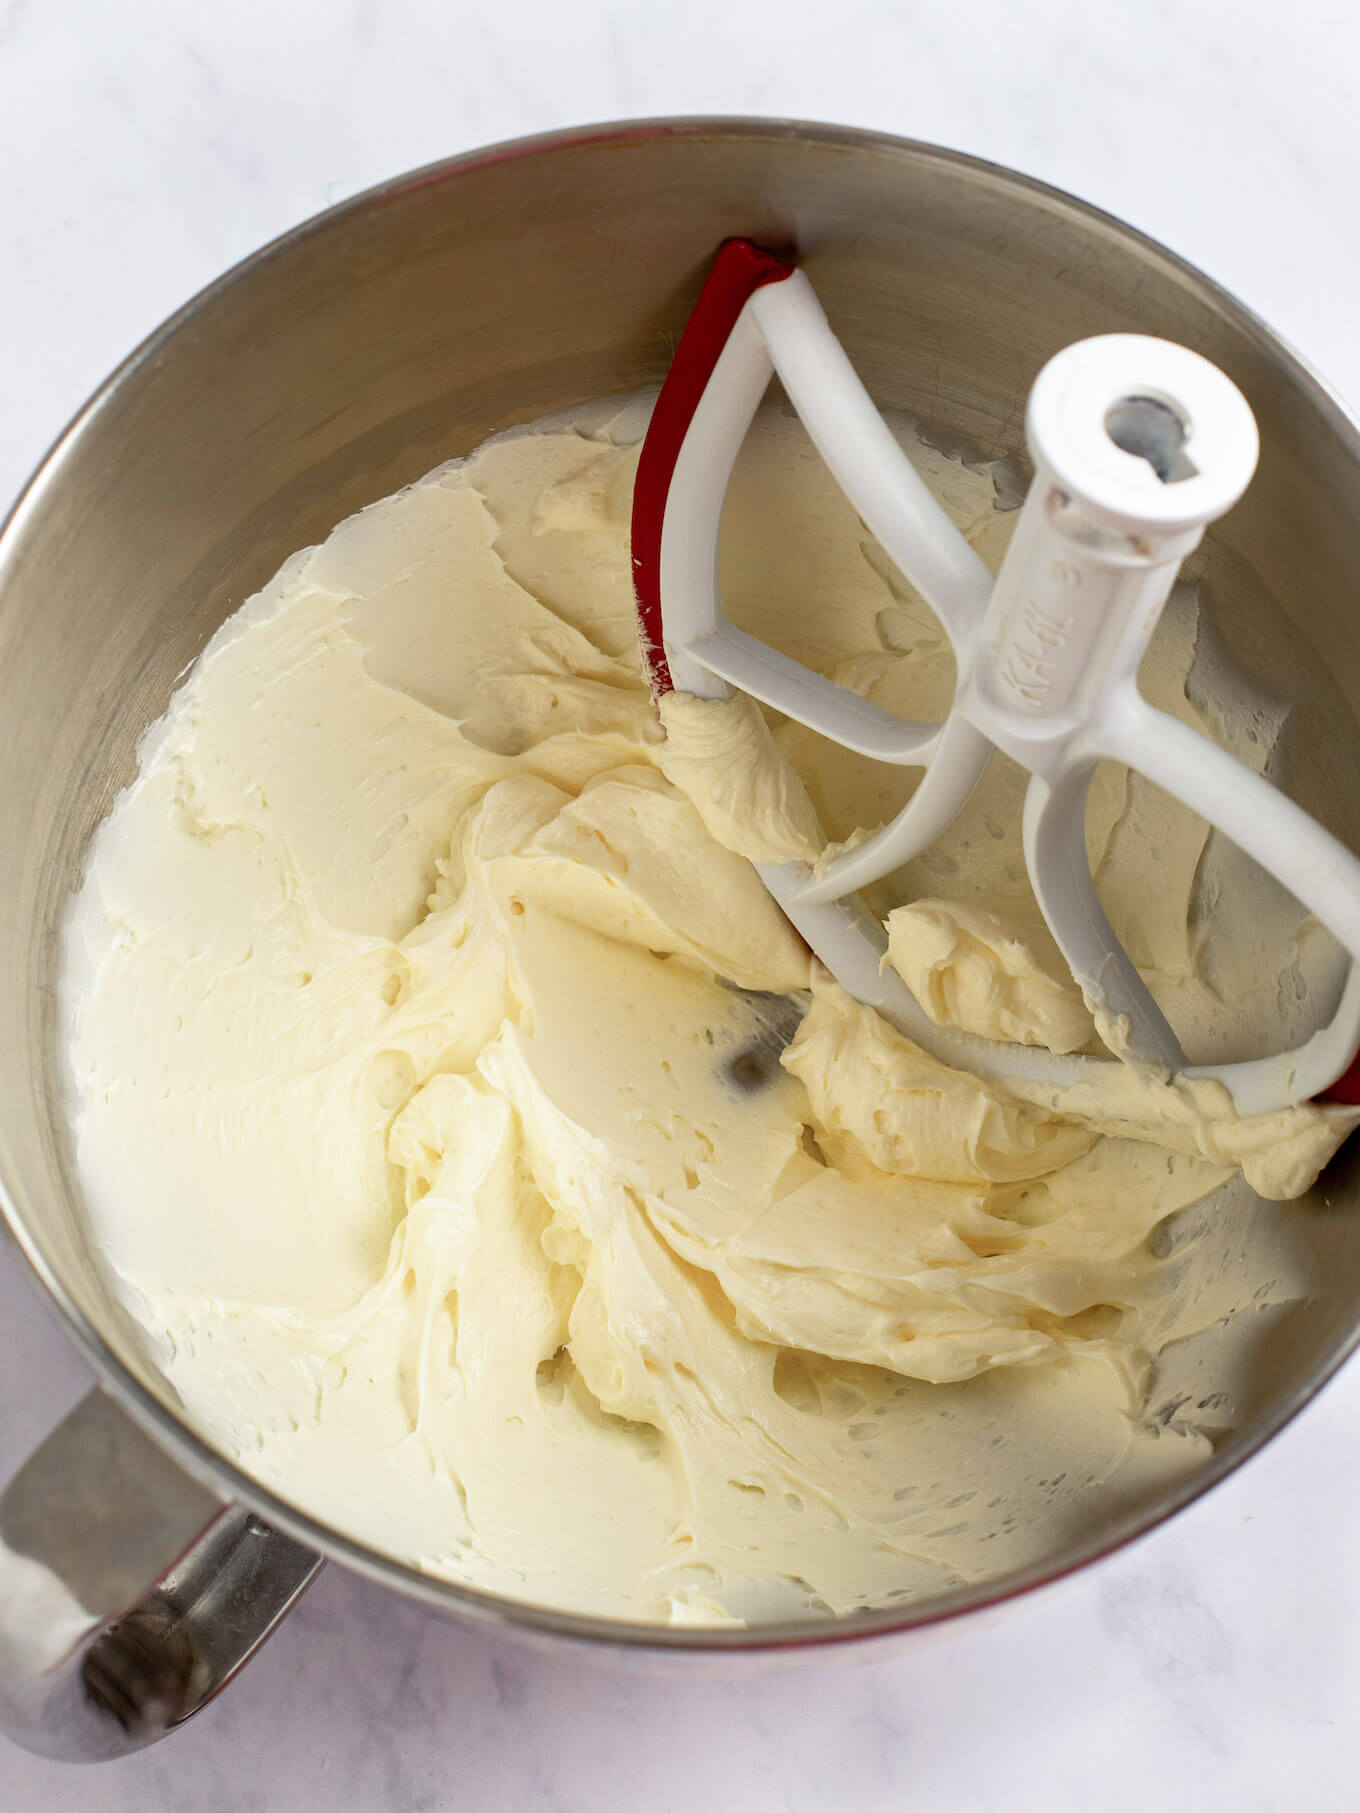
129, 1593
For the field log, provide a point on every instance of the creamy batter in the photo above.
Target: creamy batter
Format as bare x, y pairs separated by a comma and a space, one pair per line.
494, 1173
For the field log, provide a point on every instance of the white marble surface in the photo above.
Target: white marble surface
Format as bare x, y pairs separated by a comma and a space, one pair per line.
148, 145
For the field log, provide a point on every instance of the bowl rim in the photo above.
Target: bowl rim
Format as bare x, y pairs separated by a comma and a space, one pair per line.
224, 1477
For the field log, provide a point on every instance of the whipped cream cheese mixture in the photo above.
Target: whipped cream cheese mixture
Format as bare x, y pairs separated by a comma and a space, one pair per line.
494, 1173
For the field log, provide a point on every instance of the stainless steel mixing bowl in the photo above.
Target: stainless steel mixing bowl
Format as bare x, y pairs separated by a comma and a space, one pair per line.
138, 1566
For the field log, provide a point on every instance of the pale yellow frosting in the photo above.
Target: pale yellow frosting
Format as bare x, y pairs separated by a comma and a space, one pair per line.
492, 1170
719, 752
969, 968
